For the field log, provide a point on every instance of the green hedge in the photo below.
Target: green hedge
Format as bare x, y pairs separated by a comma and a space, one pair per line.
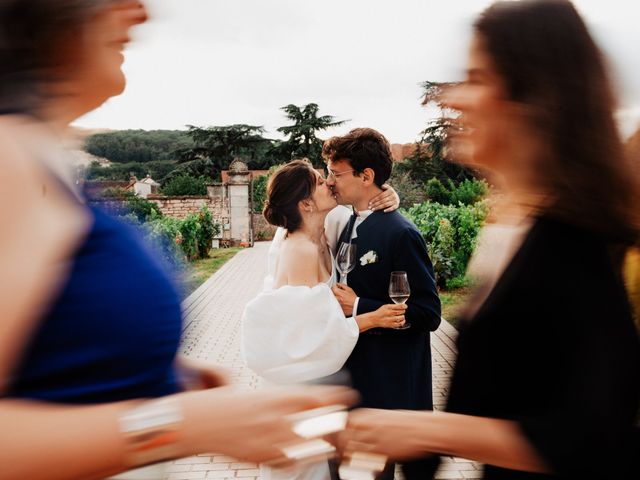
185, 185
179, 240
192, 235
451, 233
467, 192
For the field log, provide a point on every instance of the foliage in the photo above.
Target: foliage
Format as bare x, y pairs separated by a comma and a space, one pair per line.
142, 208
117, 193
261, 235
458, 282
302, 140
259, 191
437, 192
188, 238
470, 191
157, 170
165, 236
143, 146
466, 193
429, 159
442, 253
410, 191
450, 232
214, 148
208, 230
127, 203
185, 185
451, 301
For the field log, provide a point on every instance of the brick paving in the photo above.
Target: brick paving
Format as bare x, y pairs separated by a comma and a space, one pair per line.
211, 332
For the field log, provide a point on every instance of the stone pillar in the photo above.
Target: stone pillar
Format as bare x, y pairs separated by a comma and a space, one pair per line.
240, 202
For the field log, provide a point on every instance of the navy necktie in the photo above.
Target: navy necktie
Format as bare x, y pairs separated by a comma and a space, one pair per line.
350, 225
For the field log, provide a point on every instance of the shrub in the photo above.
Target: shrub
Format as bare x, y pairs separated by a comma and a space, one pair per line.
259, 188
467, 192
125, 202
451, 233
166, 238
438, 193
142, 208
409, 190
185, 185
179, 240
208, 230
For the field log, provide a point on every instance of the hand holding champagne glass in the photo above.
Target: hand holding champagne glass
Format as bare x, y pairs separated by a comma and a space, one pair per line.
399, 291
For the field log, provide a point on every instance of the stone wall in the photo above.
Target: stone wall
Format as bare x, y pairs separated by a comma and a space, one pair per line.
261, 229
180, 207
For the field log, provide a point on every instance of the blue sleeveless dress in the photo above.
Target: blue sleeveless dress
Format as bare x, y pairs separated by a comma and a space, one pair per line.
114, 329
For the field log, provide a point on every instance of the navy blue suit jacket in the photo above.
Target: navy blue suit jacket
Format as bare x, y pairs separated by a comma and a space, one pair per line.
392, 368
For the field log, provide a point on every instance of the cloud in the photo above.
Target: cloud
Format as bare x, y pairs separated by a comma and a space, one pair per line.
215, 63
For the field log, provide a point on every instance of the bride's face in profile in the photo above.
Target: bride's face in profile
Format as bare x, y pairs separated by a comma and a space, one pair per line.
323, 196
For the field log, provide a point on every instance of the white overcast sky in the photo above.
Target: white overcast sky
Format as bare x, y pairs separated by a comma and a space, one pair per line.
219, 62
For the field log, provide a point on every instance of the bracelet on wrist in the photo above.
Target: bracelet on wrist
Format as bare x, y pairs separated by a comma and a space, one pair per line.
152, 431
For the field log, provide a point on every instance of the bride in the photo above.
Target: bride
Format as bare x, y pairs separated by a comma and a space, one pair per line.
295, 330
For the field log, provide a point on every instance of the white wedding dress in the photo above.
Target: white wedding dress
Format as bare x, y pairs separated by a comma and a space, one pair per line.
295, 334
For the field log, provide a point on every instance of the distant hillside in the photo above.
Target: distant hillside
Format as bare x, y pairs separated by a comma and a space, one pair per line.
141, 146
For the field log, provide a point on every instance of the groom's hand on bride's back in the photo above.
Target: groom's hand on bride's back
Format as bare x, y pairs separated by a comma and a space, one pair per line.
346, 297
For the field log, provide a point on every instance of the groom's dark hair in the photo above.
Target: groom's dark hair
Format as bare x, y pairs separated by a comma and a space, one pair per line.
362, 148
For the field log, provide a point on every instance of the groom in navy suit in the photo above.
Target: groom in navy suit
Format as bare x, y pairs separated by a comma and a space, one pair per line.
390, 368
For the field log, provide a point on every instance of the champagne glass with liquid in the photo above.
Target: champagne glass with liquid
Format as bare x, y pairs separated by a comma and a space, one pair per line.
399, 291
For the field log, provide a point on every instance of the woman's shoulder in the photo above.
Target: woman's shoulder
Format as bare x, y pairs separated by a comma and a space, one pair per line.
299, 246
298, 262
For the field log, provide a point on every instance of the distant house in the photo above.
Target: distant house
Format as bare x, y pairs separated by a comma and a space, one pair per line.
142, 188
145, 187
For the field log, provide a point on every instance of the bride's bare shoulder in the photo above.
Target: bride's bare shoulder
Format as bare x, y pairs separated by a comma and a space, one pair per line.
298, 262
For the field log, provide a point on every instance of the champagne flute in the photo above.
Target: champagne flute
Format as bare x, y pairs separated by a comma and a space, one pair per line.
399, 291
346, 260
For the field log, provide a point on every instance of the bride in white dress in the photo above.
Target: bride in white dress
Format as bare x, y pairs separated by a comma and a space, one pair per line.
295, 330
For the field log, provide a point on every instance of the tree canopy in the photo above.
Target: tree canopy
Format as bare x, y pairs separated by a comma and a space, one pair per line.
429, 160
215, 147
302, 141
140, 146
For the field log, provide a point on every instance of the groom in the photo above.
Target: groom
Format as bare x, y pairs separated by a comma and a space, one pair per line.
390, 368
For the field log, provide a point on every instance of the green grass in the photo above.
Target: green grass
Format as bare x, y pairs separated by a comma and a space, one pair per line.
200, 270
451, 301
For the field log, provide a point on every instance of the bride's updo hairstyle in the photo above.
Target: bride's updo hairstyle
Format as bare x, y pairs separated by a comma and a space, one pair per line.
288, 186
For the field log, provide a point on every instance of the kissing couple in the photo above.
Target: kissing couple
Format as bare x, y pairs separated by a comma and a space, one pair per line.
305, 325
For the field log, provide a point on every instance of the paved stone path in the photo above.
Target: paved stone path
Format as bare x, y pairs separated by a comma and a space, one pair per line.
211, 332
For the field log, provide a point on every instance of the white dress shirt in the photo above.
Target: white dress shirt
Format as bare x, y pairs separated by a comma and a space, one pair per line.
361, 217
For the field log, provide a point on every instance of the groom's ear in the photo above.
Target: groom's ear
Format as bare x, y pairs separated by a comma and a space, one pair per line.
368, 176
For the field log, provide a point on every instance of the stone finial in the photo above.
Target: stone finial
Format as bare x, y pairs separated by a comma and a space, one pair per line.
239, 173
238, 166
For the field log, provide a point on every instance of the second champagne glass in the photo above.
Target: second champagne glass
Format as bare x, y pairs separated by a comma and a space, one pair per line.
346, 260
399, 291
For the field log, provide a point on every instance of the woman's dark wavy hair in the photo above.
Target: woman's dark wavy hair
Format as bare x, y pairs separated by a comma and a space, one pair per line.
35, 41
550, 63
289, 185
